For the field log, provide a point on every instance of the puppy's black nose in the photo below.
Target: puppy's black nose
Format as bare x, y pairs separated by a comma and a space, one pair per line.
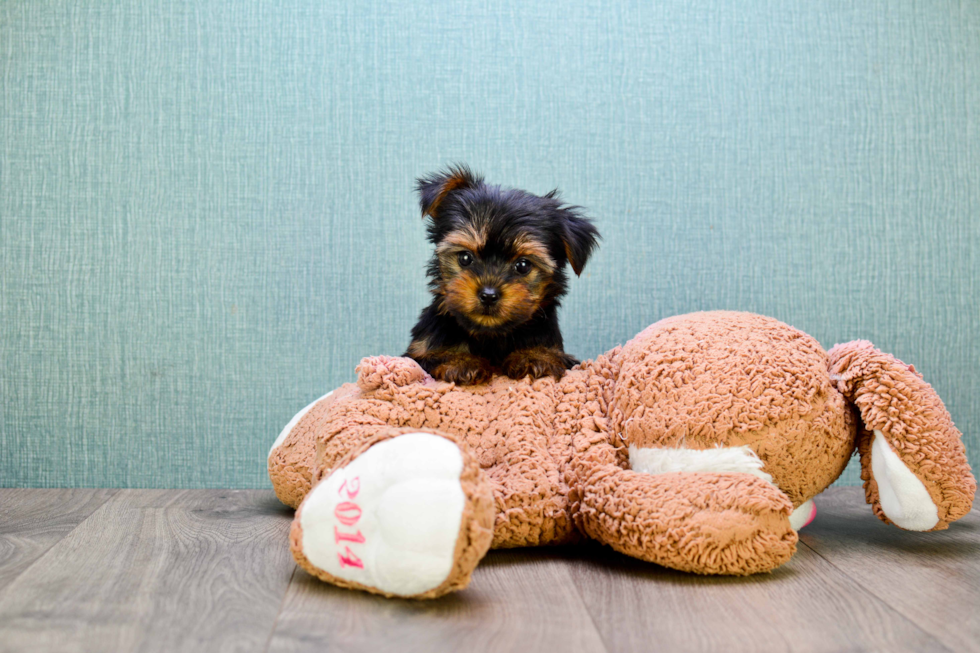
488, 296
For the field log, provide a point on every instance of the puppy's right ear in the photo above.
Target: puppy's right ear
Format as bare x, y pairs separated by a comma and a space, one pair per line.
433, 189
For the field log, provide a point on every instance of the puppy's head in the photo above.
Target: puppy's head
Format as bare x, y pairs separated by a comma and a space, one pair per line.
500, 253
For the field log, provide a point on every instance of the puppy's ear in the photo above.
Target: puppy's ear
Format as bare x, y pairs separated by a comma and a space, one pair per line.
433, 189
579, 236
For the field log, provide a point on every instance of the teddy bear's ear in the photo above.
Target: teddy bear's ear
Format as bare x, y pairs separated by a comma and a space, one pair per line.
433, 189
579, 236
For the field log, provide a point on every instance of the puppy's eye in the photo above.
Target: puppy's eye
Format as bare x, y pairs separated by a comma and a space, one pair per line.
464, 259
522, 266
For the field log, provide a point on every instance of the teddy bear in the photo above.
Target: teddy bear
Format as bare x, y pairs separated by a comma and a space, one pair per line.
698, 445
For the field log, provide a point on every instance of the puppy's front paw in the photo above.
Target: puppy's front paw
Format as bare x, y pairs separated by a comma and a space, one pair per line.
537, 362
464, 369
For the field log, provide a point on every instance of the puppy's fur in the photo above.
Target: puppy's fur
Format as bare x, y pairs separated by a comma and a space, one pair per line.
497, 275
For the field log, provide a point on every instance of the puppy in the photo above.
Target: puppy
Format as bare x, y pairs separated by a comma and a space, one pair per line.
497, 276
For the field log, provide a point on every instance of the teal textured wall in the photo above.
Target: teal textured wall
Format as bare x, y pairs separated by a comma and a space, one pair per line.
207, 219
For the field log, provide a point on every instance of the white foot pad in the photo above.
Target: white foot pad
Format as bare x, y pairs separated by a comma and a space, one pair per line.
903, 497
391, 518
803, 515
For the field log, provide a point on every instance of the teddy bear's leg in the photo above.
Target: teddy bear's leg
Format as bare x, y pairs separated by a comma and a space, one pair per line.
913, 463
742, 459
701, 522
731, 523
408, 513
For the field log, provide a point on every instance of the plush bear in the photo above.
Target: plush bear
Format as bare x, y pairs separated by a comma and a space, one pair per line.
698, 445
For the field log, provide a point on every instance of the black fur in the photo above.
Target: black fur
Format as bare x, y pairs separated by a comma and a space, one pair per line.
459, 201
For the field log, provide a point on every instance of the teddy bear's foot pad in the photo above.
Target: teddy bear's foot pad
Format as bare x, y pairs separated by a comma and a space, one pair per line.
803, 515
389, 521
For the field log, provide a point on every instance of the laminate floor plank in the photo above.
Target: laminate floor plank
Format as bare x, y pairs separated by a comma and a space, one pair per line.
805, 605
34, 520
210, 570
157, 570
932, 579
518, 600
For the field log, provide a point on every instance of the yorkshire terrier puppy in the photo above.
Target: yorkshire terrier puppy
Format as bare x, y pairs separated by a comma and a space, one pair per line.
497, 275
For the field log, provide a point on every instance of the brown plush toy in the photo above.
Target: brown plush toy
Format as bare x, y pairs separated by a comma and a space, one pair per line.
698, 445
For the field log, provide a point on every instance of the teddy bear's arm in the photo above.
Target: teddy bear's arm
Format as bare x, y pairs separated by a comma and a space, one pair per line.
291, 457
383, 506
913, 461
323, 432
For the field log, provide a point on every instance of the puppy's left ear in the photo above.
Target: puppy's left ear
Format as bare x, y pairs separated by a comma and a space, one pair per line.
579, 236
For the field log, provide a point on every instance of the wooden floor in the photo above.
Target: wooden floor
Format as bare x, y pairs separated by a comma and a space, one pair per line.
210, 570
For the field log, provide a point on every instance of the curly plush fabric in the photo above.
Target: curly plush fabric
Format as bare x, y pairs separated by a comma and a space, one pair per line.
508, 427
729, 379
731, 523
894, 399
291, 462
555, 455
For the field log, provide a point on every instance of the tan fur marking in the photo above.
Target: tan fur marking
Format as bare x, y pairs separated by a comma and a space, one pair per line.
537, 362
529, 248
468, 237
457, 365
517, 303
418, 347
575, 266
461, 294
458, 180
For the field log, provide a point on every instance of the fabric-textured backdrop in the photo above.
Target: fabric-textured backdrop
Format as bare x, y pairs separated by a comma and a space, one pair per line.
207, 217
